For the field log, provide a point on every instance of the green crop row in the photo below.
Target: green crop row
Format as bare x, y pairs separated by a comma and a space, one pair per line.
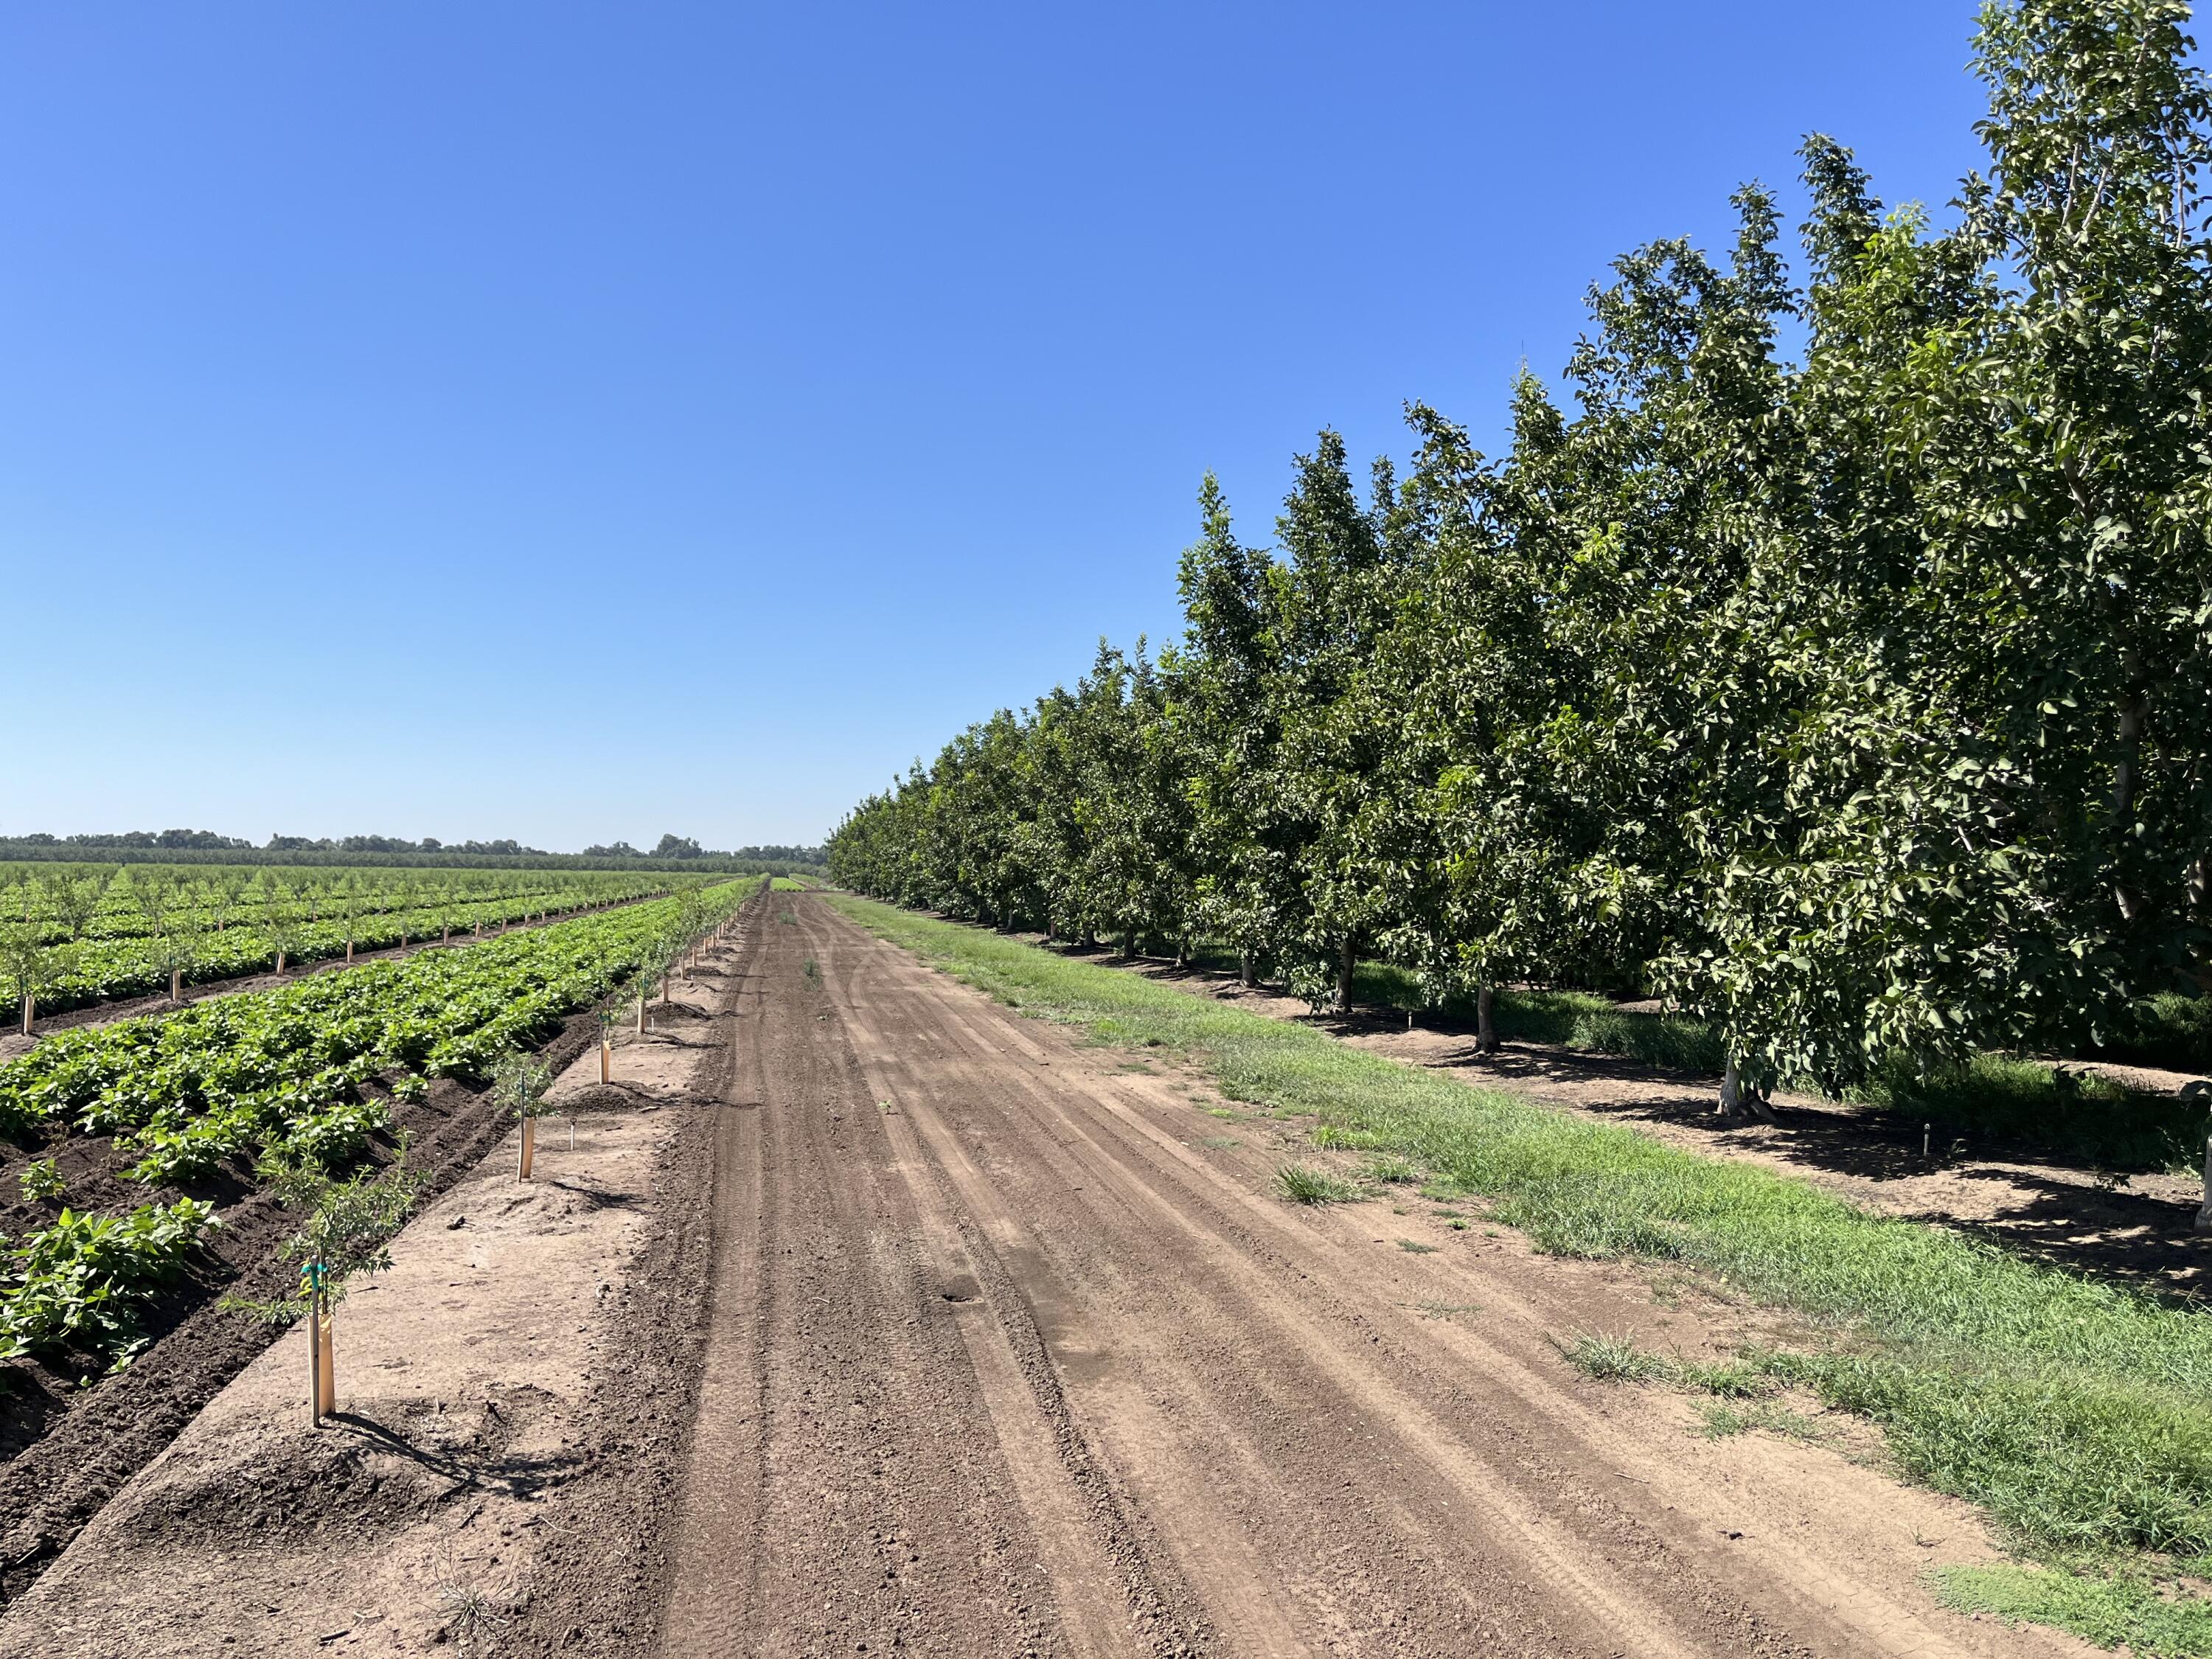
278, 1077
63, 945
87, 904
106, 969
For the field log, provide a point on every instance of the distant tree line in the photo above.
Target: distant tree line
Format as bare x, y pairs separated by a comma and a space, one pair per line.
204, 847
1858, 700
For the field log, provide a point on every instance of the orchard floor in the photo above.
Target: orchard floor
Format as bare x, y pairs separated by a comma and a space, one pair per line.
927, 1330
2135, 1229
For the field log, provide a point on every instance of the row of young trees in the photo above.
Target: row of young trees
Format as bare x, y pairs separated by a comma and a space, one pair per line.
1857, 696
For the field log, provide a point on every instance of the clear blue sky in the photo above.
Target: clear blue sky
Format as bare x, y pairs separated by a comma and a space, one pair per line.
578, 422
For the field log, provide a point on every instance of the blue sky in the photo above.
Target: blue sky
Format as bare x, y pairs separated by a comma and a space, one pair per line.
578, 422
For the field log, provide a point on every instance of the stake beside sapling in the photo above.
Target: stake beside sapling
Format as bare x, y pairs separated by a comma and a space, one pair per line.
31, 966
347, 1233
521, 1083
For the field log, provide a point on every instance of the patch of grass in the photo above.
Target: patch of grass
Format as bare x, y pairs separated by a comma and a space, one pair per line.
1413, 1248
1613, 1358
1722, 1420
2106, 1607
1221, 1141
2062, 1109
2079, 1412
1302, 1184
1737, 1382
2171, 1031
1393, 1170
1443, 1310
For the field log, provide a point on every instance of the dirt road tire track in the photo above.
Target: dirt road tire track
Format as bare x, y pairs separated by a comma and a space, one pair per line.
1004, 1356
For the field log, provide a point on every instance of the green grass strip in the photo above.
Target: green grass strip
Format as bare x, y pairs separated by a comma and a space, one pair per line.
2106, 1609
2075, 1411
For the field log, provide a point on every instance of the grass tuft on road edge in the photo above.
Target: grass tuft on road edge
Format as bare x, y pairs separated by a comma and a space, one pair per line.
2076, 1412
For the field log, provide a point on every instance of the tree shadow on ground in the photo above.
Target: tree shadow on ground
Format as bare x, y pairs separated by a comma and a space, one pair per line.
514, 1474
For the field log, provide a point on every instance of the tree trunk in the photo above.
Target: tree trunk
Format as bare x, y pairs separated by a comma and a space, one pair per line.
2123, 786
1248, 971
2204, 1210
1486, 1028
1345, 959
1736, 1101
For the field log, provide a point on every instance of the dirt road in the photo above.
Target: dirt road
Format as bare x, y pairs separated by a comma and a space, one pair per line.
1010, 1351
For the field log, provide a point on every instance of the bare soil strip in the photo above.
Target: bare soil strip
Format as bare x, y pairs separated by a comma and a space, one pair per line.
1011, 1352
956, 1337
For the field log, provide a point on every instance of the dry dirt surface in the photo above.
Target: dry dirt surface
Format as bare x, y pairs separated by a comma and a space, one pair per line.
937, 1332
1010, 1352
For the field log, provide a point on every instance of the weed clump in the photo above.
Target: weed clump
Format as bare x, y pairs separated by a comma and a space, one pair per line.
1302, 1184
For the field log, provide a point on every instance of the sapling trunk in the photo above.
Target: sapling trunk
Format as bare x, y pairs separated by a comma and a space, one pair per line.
2204, 1210
1347, 957
280, 964
349, 953
176, 985
1486, 1028
529, 1147
328, 1400
30, 1009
